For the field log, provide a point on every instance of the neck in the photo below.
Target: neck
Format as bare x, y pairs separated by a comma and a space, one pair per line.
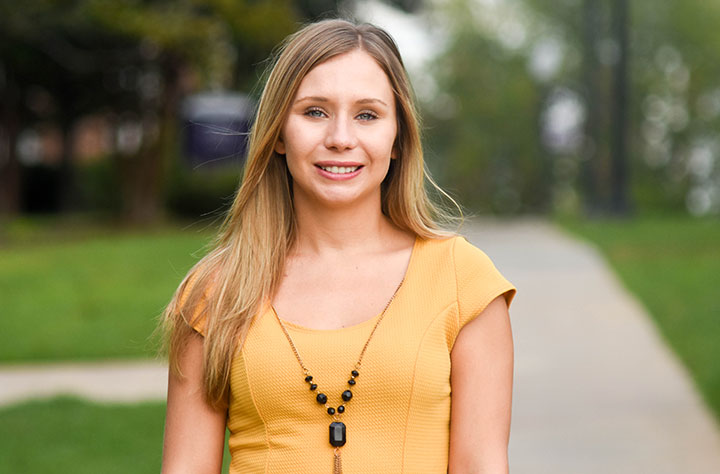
347, 229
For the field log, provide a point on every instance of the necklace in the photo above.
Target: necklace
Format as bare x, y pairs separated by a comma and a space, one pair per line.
338, 431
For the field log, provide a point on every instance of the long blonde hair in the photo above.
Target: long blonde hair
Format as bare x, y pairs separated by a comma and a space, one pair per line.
227, 287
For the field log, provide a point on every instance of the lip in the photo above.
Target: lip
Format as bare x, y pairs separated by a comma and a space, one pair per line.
338, 177
338, 163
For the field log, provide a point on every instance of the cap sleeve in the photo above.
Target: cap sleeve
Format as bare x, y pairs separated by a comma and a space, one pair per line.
197, 315
478, 281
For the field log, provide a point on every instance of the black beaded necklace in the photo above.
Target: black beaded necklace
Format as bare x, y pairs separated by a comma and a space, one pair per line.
338, 431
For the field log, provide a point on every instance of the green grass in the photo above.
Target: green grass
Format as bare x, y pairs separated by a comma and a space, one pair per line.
89, 297
673, 266
69, 436
66, 435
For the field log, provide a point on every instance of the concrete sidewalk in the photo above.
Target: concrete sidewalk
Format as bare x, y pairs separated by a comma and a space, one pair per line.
111, 381
596, 389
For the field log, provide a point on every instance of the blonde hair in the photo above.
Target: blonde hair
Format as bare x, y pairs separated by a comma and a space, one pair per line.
227, 287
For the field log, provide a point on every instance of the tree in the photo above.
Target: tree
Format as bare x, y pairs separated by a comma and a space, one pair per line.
127, 58
648, 100
672, 109
483, 128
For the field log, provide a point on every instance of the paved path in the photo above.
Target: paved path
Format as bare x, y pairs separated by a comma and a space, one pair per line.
596, 390
113, 381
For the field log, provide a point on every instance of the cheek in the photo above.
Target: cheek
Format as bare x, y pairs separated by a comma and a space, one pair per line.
297, 139
385, 143
291, 161
295, 153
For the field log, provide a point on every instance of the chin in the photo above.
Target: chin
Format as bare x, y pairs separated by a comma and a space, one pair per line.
341, 200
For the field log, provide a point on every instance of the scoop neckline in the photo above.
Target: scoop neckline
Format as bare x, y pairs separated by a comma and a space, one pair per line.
300, 328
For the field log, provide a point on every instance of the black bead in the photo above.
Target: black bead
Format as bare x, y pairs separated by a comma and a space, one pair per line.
337, 434
355, 373
341, 408
321, 398
331, 411
347, 395
351, 382
313, 386
308, 378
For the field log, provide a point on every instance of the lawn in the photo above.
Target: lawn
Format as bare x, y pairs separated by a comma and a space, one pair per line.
672, 265
66, 435
90, 297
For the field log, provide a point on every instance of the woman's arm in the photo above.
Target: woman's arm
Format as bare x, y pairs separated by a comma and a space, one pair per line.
481, 379
194, 431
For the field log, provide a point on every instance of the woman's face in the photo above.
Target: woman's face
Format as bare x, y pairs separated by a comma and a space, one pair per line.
340, 130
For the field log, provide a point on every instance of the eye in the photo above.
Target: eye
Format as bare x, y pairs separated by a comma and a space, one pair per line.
315, 112
367, 116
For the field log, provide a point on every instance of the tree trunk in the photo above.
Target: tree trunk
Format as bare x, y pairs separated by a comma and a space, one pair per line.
619, 163
593, 135
143, 175
67, 192
9, 172
10, 187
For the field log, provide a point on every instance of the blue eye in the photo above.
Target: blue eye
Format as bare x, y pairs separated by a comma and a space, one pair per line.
367, 116
317, 113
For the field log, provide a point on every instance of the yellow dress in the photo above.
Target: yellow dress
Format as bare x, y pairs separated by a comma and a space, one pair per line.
399, 417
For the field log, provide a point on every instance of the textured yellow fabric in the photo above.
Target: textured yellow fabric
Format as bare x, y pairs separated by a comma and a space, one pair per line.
398, 419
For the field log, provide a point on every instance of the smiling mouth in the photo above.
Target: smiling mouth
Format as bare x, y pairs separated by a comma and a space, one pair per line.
339, 169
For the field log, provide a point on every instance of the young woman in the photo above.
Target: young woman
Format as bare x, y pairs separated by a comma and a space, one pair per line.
335, 326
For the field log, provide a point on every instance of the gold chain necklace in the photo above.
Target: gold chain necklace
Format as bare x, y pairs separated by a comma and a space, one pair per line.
338, 432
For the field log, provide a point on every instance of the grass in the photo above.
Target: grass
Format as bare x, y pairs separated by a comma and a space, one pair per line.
89, 297
672, 265
67, 435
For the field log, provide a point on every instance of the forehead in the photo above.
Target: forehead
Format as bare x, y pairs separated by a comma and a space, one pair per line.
355, 74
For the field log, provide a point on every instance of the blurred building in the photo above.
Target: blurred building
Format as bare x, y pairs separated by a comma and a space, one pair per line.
215, 128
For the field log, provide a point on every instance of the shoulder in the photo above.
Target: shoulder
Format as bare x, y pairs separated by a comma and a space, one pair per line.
471, 262
458, 273
477, 280
193, 296
461, 255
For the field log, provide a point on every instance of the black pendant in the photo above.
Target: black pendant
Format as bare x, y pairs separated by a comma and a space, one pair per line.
337, 434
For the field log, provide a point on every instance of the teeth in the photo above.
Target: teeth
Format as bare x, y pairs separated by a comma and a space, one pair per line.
340, 169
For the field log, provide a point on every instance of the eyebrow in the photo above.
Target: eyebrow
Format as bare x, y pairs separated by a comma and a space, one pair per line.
369, 100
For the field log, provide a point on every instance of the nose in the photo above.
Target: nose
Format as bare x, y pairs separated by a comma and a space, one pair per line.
340, 134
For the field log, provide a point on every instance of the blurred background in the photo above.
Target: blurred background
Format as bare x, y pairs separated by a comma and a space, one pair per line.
122, 139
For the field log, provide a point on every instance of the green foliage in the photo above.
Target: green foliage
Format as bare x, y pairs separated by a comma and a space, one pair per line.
484, 129
90, 298
674, 97
204, 33
218, 38
69, 435
202, 193
673, 265
496, 106
98, 186
131, 63
677, 97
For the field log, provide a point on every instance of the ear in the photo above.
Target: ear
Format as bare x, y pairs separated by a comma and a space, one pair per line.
280, 146
395, 152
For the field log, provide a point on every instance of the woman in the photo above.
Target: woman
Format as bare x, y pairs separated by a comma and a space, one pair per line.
334, 321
